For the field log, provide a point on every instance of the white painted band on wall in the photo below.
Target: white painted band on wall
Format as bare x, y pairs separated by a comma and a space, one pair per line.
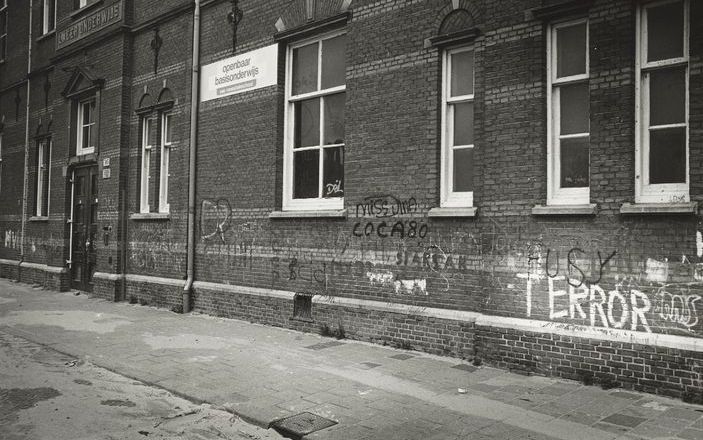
107, 276
36, 266
405, 309
44, 268
499, 322
251, 291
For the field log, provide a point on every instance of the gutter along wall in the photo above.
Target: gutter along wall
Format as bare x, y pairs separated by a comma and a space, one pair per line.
604, 294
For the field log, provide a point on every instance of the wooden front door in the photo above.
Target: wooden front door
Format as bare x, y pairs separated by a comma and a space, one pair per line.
85, 227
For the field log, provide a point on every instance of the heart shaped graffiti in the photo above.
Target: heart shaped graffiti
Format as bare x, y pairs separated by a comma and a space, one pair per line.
215, 217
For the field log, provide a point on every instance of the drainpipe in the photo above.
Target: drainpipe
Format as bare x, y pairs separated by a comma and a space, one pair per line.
194, 98
25, 189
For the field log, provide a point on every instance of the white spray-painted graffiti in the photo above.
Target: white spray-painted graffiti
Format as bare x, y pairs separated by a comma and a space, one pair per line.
11, 239
661, 293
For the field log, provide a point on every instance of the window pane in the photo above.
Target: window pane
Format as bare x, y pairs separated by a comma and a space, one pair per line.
307, 123
464, 123
574, 162
571, 50
146, 163
86, 113
305, 69
51, 14
333, 174
86, 137
168, 131
667, 96
334, 61
462, 73
665, 32
464, 170
3, 23
574, 109
334, 119
667, 155
306, 173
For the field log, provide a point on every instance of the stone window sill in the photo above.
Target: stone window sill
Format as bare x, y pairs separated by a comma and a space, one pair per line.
323, 213
150, 216
588, 209
38, 219
659, 208
452, 212
46, 36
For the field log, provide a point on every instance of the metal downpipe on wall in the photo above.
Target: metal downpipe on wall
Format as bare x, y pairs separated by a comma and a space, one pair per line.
25, 188
195, 88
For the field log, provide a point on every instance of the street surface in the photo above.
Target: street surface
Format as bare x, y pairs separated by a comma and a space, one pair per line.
45, 394
56, 350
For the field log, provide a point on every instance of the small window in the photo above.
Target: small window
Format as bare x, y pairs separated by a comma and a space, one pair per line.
48, 16
662, 134
43, 177
458, 128
85, 142
3, 30
316, 98
569, 114
147, 147
166, 143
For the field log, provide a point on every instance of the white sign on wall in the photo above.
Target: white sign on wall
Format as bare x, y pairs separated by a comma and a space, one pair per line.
242, 73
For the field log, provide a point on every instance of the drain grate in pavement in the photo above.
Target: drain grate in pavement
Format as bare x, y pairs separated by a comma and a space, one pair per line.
323, 345
302, 424
464, 367
624, 420
402, 357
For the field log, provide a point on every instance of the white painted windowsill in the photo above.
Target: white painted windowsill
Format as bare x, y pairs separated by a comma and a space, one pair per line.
320, 213
150, 216
587, 209
452, 212
659, 208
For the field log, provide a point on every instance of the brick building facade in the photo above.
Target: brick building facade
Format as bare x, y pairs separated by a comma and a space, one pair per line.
513, 181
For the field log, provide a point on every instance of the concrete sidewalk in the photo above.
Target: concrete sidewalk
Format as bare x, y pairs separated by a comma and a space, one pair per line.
265, 374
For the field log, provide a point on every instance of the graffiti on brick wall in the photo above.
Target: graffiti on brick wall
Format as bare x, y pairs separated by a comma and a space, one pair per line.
215, 217
643, 295
388, 236
153, 249
48, 248
11, 239
380, 214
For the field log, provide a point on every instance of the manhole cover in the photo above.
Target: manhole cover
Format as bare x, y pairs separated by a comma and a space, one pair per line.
323, 345
301, 424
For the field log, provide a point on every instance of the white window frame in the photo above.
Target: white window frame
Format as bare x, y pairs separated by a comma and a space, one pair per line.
82, 3
41, 165
48, 22
164, 174
556, 195
146, 153
320, 203
644, 191
3, 37
81, 124
450, 198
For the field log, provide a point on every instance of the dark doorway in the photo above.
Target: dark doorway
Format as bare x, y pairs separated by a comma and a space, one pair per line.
85, 227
